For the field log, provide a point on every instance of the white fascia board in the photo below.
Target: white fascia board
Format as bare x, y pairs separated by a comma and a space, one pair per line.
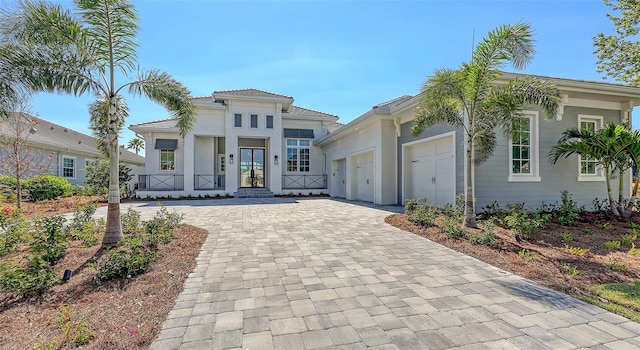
308, 117
346, 130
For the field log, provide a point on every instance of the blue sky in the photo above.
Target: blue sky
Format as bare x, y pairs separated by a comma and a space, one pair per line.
339, 57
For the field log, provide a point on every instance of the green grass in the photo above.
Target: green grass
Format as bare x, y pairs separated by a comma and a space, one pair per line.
621, 298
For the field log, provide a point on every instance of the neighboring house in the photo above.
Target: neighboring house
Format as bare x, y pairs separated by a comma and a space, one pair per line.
70, 151
242, 140
251, 138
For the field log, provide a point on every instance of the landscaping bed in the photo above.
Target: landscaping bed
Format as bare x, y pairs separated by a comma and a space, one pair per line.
120, 313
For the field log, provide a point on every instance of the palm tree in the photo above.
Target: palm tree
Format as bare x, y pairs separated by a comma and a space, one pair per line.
136, 144
469, 98
613, 147
88, 53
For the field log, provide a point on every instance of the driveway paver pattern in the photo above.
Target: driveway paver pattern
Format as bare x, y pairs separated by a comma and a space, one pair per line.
287, 273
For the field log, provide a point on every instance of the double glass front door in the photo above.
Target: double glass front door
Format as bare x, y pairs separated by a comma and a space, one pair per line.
252, 167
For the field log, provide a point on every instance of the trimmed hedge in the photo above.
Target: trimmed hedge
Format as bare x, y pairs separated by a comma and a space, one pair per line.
43, 187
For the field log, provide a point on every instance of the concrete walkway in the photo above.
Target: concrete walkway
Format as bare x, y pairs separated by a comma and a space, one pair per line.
319, 273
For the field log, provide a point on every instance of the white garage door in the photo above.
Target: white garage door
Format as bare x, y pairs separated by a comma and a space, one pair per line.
430, 171
364, 177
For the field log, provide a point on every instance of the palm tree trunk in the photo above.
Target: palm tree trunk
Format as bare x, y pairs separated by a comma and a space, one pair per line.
113, 231
632, 201
612, 204
620, 193
469, 214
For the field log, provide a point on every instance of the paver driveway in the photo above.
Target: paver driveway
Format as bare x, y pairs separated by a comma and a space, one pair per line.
319, 273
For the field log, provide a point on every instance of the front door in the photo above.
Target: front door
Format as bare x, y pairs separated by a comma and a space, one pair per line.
252, 167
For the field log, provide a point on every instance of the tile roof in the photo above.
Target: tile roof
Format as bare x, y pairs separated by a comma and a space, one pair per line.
295, 110
56, 136
395, 102
251, 93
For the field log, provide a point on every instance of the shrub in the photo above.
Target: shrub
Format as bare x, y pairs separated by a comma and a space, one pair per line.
8, 182
33, 279
48, 240
128, 259
524, 222
494, 211
568, 211
612, 245
74, 332
82, 216
451, 227
571, 270
43, 187
82, 190
131, 224
566, 237
410, 206
600, 206
627, 239
487, 236
97, 176
159, 230
14, 230
424, 215
576, 250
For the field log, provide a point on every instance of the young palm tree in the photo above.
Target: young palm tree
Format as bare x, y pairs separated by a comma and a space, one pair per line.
612, 147
469, 98
135, 144
90, 53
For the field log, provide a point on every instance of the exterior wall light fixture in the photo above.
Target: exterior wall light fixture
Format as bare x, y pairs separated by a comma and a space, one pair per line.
231, 159
275, 159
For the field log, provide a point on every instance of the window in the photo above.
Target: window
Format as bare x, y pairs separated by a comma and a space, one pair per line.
69, 167
589, 170
298, 155
269, 122
254, 121
237, 120
523, 148
221, 164
167, 159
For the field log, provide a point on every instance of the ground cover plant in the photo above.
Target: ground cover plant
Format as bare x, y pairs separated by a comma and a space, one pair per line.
588, 254
116, 298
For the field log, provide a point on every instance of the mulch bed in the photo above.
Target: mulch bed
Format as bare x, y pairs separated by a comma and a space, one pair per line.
548, 257
125, 314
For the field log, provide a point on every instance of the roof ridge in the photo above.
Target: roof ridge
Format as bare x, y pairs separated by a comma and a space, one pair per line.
252, 89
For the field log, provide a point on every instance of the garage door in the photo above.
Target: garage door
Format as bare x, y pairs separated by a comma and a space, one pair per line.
364, 177
430, 171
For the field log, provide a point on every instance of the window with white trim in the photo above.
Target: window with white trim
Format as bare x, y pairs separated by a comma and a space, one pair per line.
298, 155
588, 167
69, 167
254, 121
523, 148
237, 120
167, 159
269, 122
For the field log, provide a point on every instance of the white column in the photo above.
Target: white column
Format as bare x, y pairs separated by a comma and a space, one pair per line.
231, 171
189, 161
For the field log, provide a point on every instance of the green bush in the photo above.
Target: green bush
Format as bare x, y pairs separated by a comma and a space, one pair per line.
568, 211
49, 240
43, 187
128, 259
455, 211
410, 206
524, 222
97, 176
131, 224
8, 182
84, 227
159, 230
487, 236
82, 190
451, 227
14, 230
424, 215
33, 279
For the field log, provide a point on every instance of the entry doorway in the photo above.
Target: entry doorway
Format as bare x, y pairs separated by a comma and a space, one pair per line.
252, 171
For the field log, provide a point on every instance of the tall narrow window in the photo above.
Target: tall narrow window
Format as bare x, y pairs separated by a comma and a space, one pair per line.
167, 159
254, 121
298, 155
589, 169
523, 148
69, 167
269, 122
237, 120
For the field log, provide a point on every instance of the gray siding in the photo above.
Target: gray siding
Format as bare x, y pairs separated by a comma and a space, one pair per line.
406, 136
491, 177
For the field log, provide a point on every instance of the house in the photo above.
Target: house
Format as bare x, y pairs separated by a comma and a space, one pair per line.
247, 139
69, 151
244, 142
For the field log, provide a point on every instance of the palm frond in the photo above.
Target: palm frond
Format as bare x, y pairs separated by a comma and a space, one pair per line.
165, 90
112, 26
441, 101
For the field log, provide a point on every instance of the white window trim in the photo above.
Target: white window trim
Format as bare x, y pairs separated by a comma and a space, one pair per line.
62, 167
298, 147
175, 156
600, 175
534, 152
